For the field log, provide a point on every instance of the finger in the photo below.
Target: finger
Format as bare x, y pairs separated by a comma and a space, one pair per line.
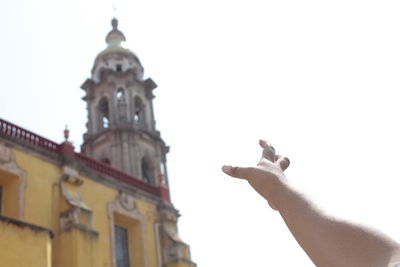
268, 150
283, 163
237, 172
262, 143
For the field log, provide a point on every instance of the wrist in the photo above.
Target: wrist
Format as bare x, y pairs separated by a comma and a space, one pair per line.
278, 190
271, 187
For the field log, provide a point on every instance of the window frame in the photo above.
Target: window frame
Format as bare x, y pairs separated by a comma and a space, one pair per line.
13, 181
124, 212
125, 245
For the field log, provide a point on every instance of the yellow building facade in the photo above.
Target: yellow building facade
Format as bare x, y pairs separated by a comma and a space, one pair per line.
107, 206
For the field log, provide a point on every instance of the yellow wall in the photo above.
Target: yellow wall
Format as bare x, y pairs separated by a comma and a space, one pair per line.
44, 201
77, 248
10, 193
42, 192
23, 246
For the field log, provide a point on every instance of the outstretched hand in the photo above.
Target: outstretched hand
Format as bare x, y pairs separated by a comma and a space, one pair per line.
267, 176
327, 240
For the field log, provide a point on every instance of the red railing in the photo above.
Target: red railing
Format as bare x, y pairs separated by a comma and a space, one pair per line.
121, 176
27, 136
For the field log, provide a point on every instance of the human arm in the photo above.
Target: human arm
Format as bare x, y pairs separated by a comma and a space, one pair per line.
328, 241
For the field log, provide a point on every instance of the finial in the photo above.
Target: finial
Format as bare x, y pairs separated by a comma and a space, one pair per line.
115, 37
114, 23
66, 133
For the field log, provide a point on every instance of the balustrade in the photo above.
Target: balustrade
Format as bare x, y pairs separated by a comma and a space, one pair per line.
21, 134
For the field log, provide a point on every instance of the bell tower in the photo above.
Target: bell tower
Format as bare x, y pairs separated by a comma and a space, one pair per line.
121, 128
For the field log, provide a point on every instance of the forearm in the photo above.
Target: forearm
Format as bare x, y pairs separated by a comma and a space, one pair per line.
327, 240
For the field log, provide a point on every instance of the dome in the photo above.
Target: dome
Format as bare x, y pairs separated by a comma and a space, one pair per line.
114, 40
116, 57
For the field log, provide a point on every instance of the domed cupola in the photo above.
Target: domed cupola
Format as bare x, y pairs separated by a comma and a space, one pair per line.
116, 58
115, 37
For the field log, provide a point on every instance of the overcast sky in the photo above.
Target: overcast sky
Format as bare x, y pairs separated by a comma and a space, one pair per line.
319, 79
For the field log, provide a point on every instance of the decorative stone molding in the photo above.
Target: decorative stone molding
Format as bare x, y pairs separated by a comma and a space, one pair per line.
77, 218
5, 154
171, 252
70, 190
79, 215
125, 205
168, 213
9, 164
173, 248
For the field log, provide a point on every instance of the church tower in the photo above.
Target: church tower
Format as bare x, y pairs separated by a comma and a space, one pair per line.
108, 205
121, 128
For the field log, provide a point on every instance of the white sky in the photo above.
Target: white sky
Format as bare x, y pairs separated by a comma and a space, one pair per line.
319, 79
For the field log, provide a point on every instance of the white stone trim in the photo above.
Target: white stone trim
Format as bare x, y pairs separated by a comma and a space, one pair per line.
126, 205
9, 164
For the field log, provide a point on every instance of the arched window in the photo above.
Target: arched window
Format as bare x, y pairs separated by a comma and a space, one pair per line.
163, 174
104, 113
139, 114
147, 171
162, 168
121, 106
120, 94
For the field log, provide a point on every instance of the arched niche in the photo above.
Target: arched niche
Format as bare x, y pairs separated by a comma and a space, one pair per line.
120, 94
139, 114
147, 170
104, 113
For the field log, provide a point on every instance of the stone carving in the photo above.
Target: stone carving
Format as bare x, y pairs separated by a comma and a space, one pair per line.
76, 217
79, 215
172, 252
5, 154
126, 202
173, 248
70, 190
168, 214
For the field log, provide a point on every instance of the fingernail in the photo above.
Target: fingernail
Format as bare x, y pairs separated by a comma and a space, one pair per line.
226, 168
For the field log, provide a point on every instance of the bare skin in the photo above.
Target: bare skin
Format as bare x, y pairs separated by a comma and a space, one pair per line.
328, 241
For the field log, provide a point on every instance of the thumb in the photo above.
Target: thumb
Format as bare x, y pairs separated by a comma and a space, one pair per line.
237, 172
